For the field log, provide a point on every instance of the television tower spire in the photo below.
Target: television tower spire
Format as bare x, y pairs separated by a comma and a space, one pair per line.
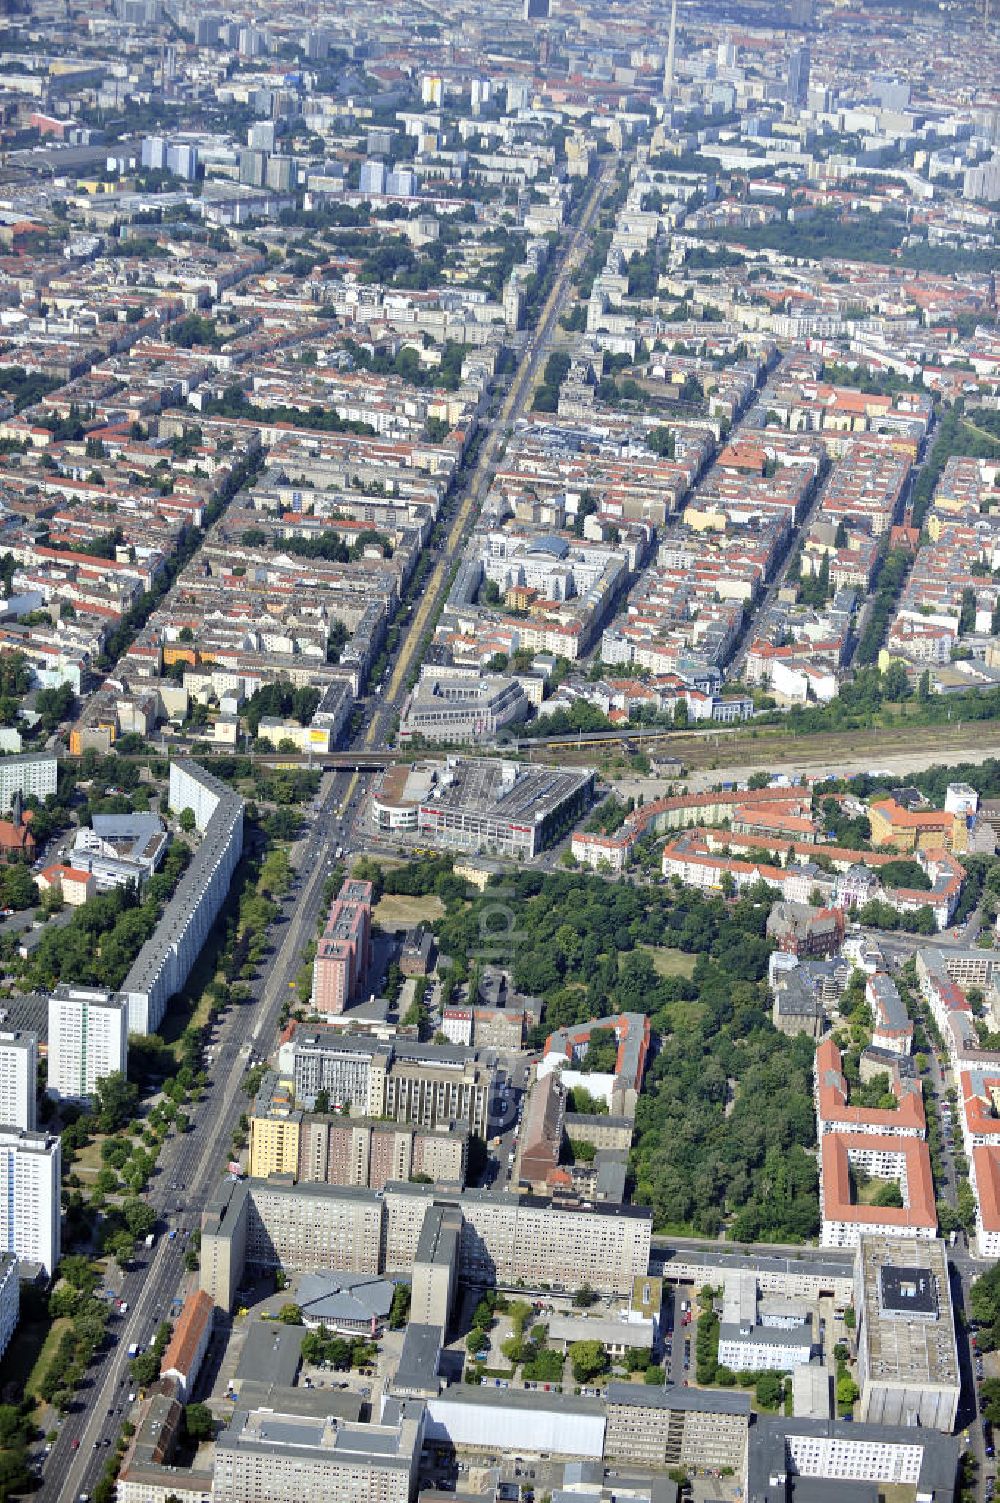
668, 75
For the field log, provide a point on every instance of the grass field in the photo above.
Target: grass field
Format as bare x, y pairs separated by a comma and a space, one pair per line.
31, 1350
867, 1194
48, 1350
88, 1160
396, 911
670, 962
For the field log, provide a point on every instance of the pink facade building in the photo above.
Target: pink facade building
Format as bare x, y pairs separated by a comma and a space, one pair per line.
344, 951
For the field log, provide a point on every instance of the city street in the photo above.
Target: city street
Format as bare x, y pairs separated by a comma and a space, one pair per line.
194, 1163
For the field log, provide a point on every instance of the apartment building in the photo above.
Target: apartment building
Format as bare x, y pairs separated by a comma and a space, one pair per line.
540, 1241
427, 1085
340, 1229
984, 1176
906, 1161
907, 830
834, 1113
428, 1093
907, 1356
270, 1224
35, 773
30, 1216
18, 1078
435, 1267
88, 1040
619, 1088
891, 1027
542, 1137
682, 1427
165, 960
275, 1135
268, 1457
324, 1059
340, 1150
343, 952
10, 1299
372, 1152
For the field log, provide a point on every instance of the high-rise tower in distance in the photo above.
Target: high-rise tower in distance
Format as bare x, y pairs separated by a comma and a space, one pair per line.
668, 72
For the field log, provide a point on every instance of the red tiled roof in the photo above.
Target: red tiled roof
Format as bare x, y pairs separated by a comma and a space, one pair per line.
189, 1331
921, 1212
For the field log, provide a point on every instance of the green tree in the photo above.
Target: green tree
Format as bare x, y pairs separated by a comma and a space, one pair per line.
889, 1194
14, 1474
116, 1099
290, 1315
186, 820
121, 1246
145, 1368
770, 1390
896, 683
399, 1312
589, 1360
989, 1394
661, 441
79, 1272
140, 1218
984, 1305
198, 1421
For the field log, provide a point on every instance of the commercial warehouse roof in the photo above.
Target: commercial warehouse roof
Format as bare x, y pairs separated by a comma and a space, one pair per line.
702, 1400
907, 1322
810, 1262
271, 1352
530, 1401
418, 1361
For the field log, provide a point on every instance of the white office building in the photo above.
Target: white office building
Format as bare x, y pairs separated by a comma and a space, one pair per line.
10, 1299
762, 1335
18, 1079
88, 1040
30, 1165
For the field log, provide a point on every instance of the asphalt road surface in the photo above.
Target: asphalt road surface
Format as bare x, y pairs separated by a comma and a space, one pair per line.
195, 1162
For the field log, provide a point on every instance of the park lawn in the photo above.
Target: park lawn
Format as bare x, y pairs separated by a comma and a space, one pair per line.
398, 911
670, 962
675, 1229
88, 1160
32, 1348
48, 1350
